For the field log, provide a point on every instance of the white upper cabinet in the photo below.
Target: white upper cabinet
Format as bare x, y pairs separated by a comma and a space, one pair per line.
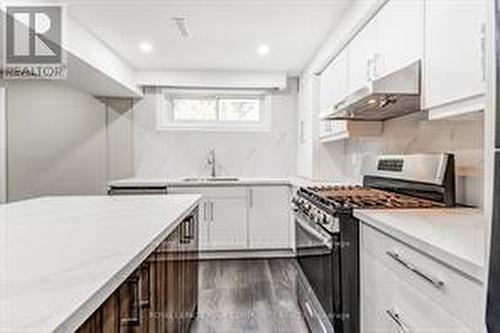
333, 83
333, 88
400, 35
454, 53
361, 52
393, 39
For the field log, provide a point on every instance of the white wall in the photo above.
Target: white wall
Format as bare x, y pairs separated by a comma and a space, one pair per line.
119, 137
56, 141
244, 154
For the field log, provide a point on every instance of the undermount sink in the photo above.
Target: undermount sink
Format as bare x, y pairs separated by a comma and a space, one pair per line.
210, 179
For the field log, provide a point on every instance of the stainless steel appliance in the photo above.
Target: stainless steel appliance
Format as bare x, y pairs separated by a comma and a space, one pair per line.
396, 94
327, 233
493, 303
319, 257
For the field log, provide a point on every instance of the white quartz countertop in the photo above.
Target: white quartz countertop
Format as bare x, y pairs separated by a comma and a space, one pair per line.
61, 257
159, 182
242, 181
455, 236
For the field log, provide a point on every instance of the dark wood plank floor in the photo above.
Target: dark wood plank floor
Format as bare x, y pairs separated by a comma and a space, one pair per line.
256, 295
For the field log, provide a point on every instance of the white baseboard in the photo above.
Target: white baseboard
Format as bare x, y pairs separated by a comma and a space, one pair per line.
246, 254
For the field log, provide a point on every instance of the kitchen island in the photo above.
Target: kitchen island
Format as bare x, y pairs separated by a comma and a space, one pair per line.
63, 257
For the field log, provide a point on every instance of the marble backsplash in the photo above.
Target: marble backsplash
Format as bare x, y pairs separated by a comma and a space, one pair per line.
410, 135
174, 154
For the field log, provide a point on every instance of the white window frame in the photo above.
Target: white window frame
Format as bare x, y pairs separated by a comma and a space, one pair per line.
165, 121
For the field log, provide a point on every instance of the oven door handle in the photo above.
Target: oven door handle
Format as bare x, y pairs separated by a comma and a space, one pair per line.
317, 234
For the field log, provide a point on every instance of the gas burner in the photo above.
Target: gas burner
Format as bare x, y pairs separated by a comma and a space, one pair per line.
347, 196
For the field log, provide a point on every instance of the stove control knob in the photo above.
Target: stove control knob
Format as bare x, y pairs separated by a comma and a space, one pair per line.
317, 215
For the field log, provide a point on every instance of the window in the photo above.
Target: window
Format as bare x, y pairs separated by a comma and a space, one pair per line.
194, 110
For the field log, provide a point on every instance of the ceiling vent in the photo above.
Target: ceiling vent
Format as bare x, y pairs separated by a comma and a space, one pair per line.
181, 24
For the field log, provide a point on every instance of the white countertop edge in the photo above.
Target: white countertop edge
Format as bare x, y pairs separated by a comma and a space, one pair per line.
466, 267
88, 307
243, 181
181, 183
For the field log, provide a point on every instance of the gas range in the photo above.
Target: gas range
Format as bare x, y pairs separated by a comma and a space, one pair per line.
323, 204
324, 215
345, 197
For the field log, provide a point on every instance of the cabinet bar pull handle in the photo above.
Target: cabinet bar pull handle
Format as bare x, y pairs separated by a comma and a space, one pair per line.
438, 284
145, 302
211, 211
135, 318
396, 319
191, 227
184, 232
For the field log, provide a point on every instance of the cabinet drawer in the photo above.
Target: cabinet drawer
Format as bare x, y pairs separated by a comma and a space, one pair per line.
445, 286
391, 304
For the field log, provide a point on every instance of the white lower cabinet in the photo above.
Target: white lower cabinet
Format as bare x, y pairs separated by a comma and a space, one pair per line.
225, 230
268, 218
419, 297
242, 217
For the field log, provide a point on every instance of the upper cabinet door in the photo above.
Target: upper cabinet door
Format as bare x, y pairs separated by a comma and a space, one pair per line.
454, 51
361, 52
339, 72
333, 82
400, 35
326, 82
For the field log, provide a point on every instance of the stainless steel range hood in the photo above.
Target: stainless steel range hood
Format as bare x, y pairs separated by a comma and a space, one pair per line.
394, 95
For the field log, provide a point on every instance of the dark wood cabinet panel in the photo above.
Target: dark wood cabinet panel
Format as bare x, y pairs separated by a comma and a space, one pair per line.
161, 295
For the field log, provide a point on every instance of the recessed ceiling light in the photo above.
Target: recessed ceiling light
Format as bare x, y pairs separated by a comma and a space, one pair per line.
263, 50
146, 47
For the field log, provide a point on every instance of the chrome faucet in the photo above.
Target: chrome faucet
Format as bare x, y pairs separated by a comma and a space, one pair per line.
212, 163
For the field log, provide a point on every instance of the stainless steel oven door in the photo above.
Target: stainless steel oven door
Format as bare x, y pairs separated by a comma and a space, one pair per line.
318, 258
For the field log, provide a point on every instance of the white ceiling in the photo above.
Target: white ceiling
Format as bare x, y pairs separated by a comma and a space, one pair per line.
225, 33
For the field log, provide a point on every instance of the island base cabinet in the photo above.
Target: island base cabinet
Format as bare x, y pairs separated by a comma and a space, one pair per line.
161, 295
